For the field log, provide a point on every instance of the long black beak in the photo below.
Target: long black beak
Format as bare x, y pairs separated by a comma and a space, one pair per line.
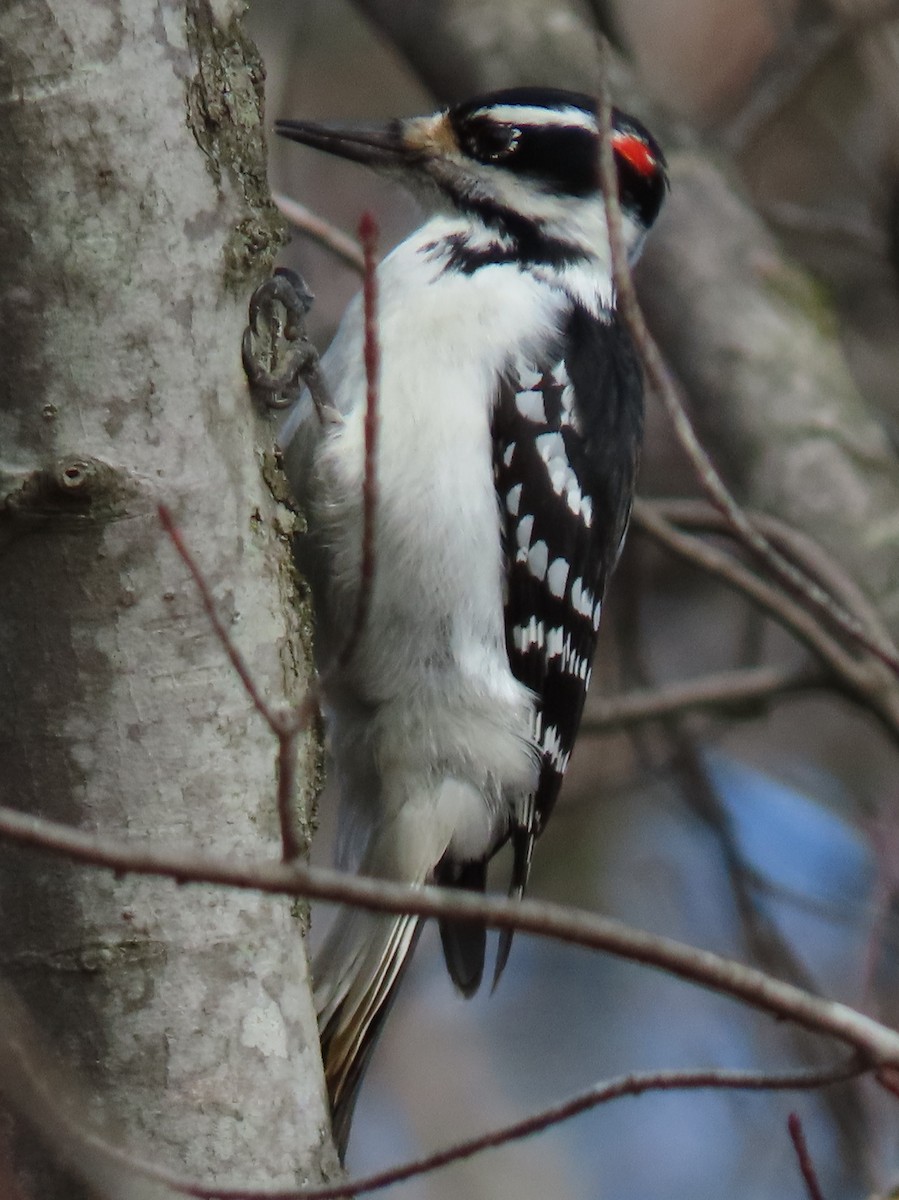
375, 146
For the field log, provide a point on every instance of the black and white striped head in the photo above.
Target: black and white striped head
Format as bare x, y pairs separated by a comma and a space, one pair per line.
523, 161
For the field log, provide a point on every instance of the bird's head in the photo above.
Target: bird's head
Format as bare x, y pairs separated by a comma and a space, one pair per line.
523, 161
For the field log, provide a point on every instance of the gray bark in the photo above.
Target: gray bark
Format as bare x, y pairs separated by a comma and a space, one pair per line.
134, 222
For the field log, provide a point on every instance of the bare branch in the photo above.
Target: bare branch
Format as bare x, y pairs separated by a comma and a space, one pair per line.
38, 1089
234, 656
876, 1042
603, 1093
800, 546
852, 673
794, 64
322, 232
728, 692
784, 76
285, 723
665, 388
772, 389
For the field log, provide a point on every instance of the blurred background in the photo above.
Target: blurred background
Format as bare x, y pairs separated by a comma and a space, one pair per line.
766, 831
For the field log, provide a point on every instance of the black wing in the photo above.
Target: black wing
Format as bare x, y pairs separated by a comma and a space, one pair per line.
566, 445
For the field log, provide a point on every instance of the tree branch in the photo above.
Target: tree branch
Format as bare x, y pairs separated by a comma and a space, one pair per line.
666, 390
860, 678
728, 692
36, 1085
877, 1043
322, 232
636, 1084
756, 348
285, 723
806, 551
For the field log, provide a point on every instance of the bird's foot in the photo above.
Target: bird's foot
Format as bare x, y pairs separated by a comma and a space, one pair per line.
278, 357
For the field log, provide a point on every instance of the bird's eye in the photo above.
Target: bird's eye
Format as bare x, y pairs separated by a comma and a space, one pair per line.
493, 142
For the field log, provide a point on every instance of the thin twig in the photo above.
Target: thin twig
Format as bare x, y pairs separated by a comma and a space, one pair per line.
874, 1041
368, 234
37, 1086
340, 244
783, 77
852, 673
723, 692
806, 1166
235, 657
285, 723
803, 549
791, 67
615, 1089
664, 386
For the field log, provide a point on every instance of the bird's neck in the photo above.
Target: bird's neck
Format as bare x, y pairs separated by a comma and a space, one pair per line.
464, 244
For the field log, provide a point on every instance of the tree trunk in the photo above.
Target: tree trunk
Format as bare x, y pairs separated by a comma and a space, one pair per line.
134, 222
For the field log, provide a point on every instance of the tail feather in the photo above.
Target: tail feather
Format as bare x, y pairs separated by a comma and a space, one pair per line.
523, 851
362, 961
354, 1000
359, 968
464, 942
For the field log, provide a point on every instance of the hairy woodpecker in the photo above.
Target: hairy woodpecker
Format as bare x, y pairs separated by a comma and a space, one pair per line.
511, 413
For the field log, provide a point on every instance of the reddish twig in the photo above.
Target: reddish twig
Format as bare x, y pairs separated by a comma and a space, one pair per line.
604, 1093
368, 233
875, 1042
234, 656
285, 723
806, 1166
36, 1085
665, 388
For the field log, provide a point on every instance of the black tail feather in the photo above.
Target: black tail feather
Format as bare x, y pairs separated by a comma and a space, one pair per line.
523, 851
464, 942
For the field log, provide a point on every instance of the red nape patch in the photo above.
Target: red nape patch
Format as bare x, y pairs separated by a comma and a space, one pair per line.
634, 151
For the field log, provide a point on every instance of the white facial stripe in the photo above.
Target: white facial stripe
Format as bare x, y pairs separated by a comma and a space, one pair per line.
519, 114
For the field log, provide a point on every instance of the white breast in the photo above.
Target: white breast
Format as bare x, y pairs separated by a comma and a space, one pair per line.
432, 661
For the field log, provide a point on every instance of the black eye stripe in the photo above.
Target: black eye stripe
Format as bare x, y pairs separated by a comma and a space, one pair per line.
549, 138
561, 157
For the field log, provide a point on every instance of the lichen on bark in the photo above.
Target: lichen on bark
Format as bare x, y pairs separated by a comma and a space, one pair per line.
225, 107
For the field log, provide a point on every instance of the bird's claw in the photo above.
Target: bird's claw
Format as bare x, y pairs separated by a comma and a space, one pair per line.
277, 355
